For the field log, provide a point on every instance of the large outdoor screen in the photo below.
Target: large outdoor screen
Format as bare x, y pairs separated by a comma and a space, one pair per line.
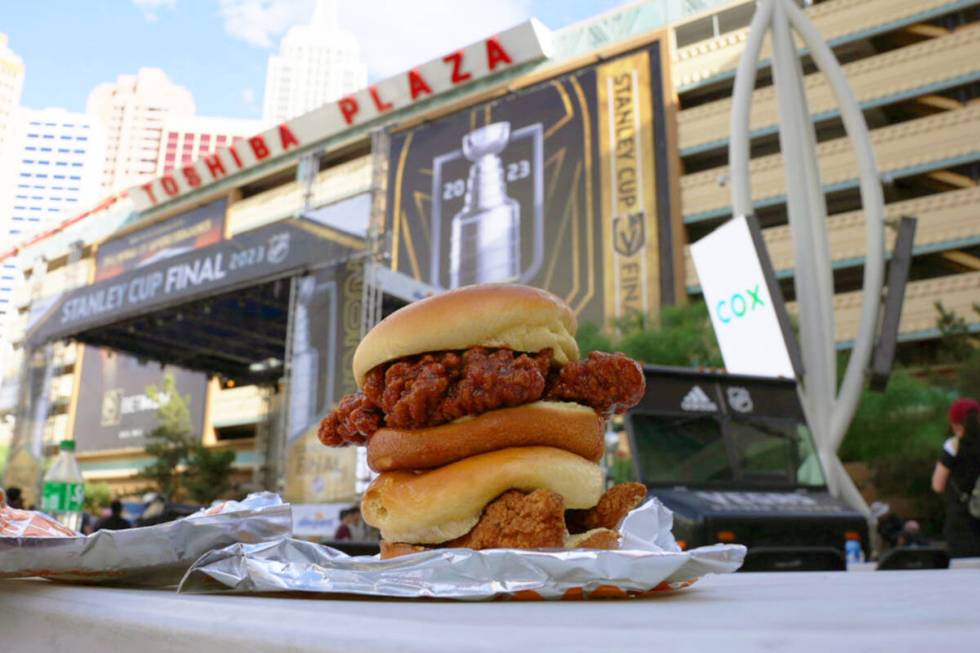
115, 411
564, 185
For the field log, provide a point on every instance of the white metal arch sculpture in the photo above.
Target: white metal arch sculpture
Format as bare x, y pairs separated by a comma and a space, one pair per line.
829, 409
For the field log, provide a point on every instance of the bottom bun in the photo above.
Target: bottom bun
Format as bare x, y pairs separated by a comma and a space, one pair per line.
446, 503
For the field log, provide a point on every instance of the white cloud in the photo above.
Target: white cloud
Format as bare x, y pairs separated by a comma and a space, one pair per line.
394, 34
151, 8
398, 34
261, 22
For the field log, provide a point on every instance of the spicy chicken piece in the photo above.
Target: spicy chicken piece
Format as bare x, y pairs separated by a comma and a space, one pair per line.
520, 521
513, 520
612, 508
439, 388
608, 383
353, 420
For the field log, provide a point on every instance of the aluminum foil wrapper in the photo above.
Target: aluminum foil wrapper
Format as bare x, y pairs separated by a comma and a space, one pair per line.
151, 555
648, 561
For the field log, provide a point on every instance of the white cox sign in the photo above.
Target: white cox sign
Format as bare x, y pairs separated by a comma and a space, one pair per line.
742, 310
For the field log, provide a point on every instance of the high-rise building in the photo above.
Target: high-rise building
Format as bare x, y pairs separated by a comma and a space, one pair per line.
188, 138
11, 82
317, 63
56, 158
133, 110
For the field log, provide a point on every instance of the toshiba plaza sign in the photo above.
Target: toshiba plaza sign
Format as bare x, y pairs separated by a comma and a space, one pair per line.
523, 44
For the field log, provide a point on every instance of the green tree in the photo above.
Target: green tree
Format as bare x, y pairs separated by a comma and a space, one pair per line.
97, 496
959, 345
968, 375
208, 473
681, 335
956, 343
908, 419
171, 442
899, 433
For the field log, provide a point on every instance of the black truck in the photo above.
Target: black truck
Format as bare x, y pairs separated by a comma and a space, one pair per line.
733, 458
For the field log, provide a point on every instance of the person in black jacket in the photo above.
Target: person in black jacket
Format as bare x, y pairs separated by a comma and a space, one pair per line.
956, 474
115, 521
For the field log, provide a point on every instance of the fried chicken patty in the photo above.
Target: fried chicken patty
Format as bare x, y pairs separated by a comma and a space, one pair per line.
538, 520
437, 388
614, 505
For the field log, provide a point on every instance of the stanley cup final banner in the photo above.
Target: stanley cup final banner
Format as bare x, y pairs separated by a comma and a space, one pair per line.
326, 330
564, 185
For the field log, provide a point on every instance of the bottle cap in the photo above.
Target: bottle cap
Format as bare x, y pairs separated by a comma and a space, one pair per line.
67, 445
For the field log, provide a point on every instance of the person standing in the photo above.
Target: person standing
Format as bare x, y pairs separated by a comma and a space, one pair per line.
15, 498
956, 474
115, 521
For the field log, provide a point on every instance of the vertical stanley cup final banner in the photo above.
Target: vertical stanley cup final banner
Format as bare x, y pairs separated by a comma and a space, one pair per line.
564, 185
326, 330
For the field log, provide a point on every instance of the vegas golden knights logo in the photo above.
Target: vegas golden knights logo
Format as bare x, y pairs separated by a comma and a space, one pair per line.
629, 233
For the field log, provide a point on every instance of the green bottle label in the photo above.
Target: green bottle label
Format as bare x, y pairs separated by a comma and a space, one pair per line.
62, 497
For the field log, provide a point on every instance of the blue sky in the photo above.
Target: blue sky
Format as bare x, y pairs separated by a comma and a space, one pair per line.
218, 48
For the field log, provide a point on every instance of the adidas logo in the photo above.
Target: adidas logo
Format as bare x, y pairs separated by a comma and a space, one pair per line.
698, 399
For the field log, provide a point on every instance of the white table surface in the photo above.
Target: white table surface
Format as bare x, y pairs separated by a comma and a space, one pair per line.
839, 612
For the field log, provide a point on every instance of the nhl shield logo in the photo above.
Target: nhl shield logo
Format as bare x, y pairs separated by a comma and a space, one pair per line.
629, 233
278, 248
739, 399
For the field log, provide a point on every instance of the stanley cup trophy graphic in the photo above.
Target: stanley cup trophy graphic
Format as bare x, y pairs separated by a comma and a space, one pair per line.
485, 244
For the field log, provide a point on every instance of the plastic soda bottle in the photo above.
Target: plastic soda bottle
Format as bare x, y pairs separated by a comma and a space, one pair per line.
64, 488
852, 550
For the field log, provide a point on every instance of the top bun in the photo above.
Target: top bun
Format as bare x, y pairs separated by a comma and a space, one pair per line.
491, 315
